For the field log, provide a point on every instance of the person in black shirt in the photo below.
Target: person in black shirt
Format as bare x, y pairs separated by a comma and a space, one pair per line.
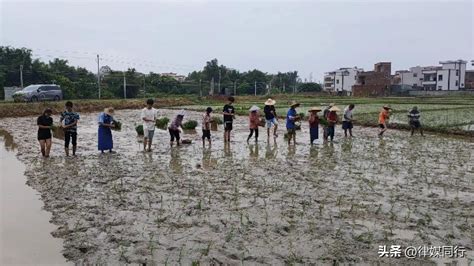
228, 113
271, 117
45, 122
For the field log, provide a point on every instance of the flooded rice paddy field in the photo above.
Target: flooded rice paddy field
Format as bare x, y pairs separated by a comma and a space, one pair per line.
264, 203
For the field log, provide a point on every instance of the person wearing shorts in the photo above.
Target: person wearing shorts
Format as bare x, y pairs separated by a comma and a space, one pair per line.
45, 122
271, 117
206, 127
229, 113
148, 116
69, 120
347, 120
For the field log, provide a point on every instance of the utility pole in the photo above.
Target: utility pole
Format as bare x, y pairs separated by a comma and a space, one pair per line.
124, 86
235, 87
255, 88
200, 87
98, 75
21, 76
144, 85
219, 84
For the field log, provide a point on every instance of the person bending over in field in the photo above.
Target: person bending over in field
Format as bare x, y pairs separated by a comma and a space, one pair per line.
45, 123
291, 117
414, 116
229, 115
148, 116
206, 127
174, 128
384, 116
69, 120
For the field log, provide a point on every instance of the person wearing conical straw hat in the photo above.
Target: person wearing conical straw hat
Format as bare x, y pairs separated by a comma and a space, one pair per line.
332, 121
106, 123
271, 117
325, 116
347, 120
254, 120
291, 117
384, 116
313, 124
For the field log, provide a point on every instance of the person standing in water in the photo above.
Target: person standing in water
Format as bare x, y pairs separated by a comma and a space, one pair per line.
332, 121
254, 120
229, 115
313, 124
69, 120
271, 117
414, 116
291, 117
384, 116
106, 124
148, 116
206, 127
325, 117
347, 120
45, 123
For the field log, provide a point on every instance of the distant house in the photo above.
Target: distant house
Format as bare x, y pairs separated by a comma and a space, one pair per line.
374, 83
341, 80
412, 77
450, 75
179, 78
469, 81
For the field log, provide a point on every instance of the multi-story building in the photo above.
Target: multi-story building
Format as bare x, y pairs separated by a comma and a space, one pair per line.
450, 75
341, 80
412, 77
374, 83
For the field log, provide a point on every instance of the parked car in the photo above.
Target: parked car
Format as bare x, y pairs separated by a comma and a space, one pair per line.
39, 92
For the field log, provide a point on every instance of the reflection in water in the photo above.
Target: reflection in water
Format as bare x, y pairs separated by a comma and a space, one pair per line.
227, 150
207, 161
271, 151
10, 145
313, 152
253, 149
346, 146
176, 163
291, 152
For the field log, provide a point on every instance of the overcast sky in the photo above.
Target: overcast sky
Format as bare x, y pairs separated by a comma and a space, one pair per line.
311, 37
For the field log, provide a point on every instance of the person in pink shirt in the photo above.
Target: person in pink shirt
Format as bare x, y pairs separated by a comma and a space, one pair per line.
254, 120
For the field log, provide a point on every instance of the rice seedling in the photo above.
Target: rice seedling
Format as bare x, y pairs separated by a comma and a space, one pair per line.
139, 130
218, 120
117, 125
162, 123
190, 125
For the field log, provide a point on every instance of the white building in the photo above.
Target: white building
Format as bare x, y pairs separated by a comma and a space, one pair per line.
412, 77
179, 78
341, 80
450, 75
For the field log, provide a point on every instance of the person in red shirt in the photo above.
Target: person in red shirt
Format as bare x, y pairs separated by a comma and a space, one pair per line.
332, 121
313, 124
254, 120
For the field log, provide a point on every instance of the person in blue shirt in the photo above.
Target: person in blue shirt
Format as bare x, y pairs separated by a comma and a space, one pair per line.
69, 120
291, 117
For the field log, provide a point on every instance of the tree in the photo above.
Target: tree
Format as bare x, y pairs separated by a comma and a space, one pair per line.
310, 87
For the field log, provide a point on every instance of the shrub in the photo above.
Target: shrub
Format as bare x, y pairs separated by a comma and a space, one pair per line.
191, 124
162, 123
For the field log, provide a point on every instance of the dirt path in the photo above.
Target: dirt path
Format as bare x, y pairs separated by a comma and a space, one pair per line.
257, 203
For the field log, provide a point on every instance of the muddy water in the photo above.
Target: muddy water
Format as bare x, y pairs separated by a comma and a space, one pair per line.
252, 203
25, 229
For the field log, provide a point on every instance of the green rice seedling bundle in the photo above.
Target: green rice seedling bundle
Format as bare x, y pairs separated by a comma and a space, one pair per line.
162, 123
139, 130
191, 124
58, 132
323, 121
117, 125
217, 120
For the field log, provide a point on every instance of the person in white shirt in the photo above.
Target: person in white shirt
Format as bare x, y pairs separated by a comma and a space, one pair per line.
148, 116
347, 120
